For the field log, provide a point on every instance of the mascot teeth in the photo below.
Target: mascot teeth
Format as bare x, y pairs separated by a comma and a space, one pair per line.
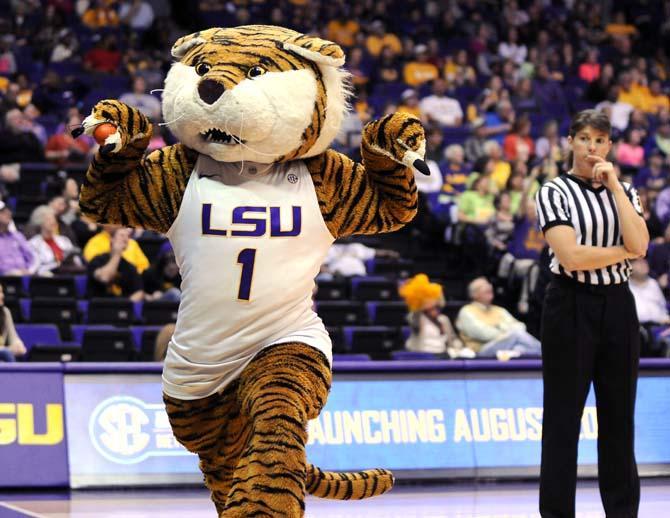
221, 137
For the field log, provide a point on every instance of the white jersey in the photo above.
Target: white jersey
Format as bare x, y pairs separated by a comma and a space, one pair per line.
249, 245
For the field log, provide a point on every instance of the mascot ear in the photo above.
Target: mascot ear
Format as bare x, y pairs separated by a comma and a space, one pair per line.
317, 50
186, 43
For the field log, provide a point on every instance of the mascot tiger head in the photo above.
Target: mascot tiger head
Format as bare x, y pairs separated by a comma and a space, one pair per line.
257, 92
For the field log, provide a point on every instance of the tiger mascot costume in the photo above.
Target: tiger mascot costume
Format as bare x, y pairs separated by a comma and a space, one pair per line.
251, 199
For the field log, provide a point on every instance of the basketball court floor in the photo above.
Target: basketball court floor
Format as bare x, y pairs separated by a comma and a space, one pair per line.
506, 500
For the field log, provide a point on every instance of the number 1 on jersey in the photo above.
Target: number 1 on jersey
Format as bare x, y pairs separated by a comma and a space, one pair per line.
246, 258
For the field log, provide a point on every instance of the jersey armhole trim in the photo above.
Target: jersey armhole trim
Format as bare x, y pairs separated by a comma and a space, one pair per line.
556, 223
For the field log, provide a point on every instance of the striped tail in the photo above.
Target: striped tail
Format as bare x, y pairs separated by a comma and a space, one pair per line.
347, 486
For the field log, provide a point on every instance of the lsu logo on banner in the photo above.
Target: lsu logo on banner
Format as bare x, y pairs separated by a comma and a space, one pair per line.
17, 424
126, 430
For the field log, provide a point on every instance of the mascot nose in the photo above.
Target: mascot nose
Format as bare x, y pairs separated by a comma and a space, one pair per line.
210, 90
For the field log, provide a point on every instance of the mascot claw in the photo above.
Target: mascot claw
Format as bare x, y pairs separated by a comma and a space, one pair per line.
421, 166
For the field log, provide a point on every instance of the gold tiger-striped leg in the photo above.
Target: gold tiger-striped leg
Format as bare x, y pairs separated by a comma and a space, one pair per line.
216, 430
281, 389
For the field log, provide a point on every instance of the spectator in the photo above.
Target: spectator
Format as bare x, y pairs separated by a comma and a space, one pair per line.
59, 206
7, 60
430, 330
652, 310
140, 99
101, 243
17, 257
358, 68
518, 144
501, 168
523, 252
104, 57
500, 228
511, 48
342, 30
548, 92
474, 144
656, 100
67, 47
162, 280
434, 143
617, 111
550, 144
420, 70
631, 91
99, 15
523, 98
54, 253
520, 185
62, 147
410, 103
589, 70
110, 274
348, 260
388, 67
475, 206
459, 72
630, 152
599, 89
454, 170
649, 300
440, 108
661, 138
379, 38
654, 176
659, 259
31, 114
490, 330
17, 142
136, 14
500, 122
11, 344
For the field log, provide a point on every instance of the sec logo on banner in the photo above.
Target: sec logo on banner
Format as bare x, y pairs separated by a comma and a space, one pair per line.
126, 430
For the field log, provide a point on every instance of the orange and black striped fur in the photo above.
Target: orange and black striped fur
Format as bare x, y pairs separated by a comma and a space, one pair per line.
251, 438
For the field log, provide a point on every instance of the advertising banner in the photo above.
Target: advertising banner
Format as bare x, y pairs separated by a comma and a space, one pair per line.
32, 430
119, 433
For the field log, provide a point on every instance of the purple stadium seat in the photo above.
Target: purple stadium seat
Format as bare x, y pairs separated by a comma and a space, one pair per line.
387, 313
78, 330
373, 288
377, 341
43, 334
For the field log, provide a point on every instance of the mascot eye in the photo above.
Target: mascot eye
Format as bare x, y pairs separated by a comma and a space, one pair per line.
256, 71
202, 68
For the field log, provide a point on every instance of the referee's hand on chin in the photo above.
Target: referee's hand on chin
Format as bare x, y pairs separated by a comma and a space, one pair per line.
603, 172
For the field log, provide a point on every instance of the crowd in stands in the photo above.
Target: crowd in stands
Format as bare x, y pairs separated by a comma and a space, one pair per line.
494, 83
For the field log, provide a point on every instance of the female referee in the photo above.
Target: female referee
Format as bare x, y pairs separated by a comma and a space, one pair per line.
594, 226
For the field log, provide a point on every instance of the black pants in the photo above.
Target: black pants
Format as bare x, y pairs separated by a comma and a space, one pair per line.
589, 334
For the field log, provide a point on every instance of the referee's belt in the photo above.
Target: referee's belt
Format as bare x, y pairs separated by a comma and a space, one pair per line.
569, 282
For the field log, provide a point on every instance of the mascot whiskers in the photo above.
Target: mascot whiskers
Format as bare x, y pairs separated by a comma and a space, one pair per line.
251, 199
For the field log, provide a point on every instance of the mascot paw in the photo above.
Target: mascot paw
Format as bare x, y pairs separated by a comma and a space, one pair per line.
399, 137
132, 127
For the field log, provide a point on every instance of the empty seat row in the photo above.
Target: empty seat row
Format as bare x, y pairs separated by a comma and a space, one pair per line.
117, 311
377, 288
109, 343
72, 286
89, 343
378, 313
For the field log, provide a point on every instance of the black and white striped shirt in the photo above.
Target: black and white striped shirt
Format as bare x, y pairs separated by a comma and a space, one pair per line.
592, 212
